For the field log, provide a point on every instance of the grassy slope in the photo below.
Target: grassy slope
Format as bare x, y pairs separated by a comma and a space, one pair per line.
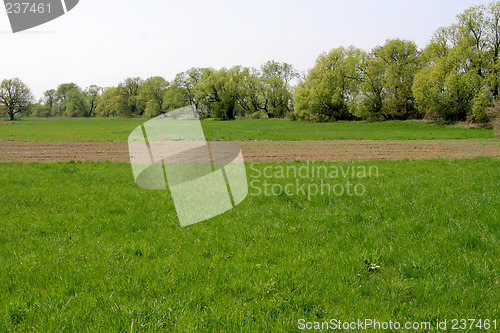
106, 129
83, 249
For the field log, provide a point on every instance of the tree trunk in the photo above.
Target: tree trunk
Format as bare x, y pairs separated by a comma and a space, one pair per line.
11, 115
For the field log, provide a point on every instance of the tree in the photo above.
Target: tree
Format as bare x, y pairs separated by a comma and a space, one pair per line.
15, 97
184, 91
92, 94
82, 103
75, 103
267, 90
59, 101
44, 106
153, 91
401, 61
113, 103
277, 91
40, 110
331, 86
48, 98
219, 91
446, 90
494, 51
461, 79
252, 98
176, 97
369, 101
131, 89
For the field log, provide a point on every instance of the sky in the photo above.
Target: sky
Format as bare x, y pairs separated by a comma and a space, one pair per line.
103, 42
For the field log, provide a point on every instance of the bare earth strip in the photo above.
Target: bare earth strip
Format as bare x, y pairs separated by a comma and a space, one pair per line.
341, 150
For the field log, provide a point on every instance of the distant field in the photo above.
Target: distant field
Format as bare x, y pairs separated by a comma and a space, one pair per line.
107, 129
83, 249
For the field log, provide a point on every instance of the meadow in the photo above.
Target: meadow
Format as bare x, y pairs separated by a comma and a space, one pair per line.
85, 250
108, 129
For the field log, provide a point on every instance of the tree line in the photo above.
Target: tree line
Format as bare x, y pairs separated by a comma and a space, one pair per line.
223, 93
456, 77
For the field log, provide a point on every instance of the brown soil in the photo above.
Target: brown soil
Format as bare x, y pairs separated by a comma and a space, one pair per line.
341, 150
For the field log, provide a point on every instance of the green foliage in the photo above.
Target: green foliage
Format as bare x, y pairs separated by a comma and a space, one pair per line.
131, 91
445, 90
461, 80
385, 82
183, 91
59, 99
76, 103
276, 94
369, 102
222, 94
153, 90
253, 97
85, 250
80, 103
401, 61
15, 98
92, 95
330, 86
219, 91
349, 83
48, 98
176, 97
456, 77
41, 110
113, 103
480, 105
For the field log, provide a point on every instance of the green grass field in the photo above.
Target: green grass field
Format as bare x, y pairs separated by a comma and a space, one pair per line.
107, 129
83, 249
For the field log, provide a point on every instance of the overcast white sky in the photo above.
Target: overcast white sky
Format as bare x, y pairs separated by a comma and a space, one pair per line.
103, 42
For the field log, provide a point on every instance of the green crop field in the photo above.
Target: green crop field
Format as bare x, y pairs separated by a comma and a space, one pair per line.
85, 250
107, 129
